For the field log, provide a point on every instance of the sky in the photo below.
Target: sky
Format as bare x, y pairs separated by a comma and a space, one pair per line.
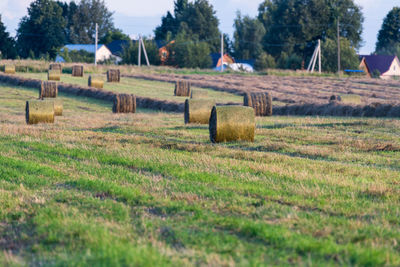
141, 17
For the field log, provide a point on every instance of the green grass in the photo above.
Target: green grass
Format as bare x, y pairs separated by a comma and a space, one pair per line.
154, 89
100, 189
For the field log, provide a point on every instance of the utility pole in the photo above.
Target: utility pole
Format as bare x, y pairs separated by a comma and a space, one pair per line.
319, 55
95, 46
145, 53
140, 51
338, 45
222, 52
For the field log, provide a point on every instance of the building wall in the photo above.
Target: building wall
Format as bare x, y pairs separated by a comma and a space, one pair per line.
363, 66
103, 53
394, 70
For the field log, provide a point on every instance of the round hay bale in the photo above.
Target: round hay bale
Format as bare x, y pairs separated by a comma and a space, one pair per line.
77, 71
198, 110
260, 102
232, 123
37, 111
113, 75
335, 98
9, 69
55, 66
182, 88
124, 103
53, 75
95, 82
58, 107
198, 94
48, 89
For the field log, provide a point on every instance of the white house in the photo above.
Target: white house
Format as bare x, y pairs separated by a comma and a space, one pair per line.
102, 53
387, 66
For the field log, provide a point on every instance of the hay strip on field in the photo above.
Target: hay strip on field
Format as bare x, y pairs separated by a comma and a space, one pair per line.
48, 89
55, 66
95, 82
232, 123
54, 75
77, 71
124, 103
113, 75
198, 94
198, 110
182, 88
39, 111
260, 102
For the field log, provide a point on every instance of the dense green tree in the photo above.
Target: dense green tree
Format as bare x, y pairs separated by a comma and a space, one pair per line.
42, 30
68, 11
349, 57
130, 53
7, 43
294, 26
197, 19
389, 35
84, 19
264, 61
247, 37
114, 35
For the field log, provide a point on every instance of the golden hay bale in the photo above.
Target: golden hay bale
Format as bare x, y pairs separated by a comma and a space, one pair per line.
198, 110
261, 102
37, 111
198, 94
113, 75
95, 82
58, 106
55, 66
124, 103
53, 75
48, 89
232, 123
9, 69
182, 88
77, 71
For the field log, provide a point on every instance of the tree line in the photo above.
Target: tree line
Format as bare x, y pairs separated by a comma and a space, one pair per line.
283, 34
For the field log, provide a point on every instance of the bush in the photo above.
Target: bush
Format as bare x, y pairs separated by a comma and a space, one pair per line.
264, 61
130, 53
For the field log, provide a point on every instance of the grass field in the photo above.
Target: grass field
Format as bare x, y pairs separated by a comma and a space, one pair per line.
100, 189
154, 89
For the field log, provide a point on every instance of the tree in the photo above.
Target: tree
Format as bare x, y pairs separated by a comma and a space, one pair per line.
197, 19
114, 35
248, 36
295, 26
264, 61
389, 35
83, 26
42, 30
349, 58
68, 12
130, 53
7, 44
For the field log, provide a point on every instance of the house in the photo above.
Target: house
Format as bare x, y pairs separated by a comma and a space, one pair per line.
102, 53
216, 60
163, 50
117, 49
387, 66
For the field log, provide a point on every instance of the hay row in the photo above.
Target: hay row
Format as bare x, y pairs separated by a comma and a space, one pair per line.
113, 75
95, 82
124, 103
182, 88
54, 75
198, 110
260, 102
77, 71
39, 111
48, 89
232, 123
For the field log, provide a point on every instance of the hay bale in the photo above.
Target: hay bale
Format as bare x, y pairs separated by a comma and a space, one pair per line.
198, 110
260, 102
335, 98
9, 69
232, 123
95, 82
198, 94
113, 75
77, 71
58, 107
124, 103
55, 66
37, 111
182, 88
53, 75
48, 89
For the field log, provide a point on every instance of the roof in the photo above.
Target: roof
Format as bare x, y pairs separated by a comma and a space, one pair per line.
381, 63
117, 47
86, 47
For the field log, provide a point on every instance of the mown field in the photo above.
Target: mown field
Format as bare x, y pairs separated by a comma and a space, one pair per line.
100, 189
